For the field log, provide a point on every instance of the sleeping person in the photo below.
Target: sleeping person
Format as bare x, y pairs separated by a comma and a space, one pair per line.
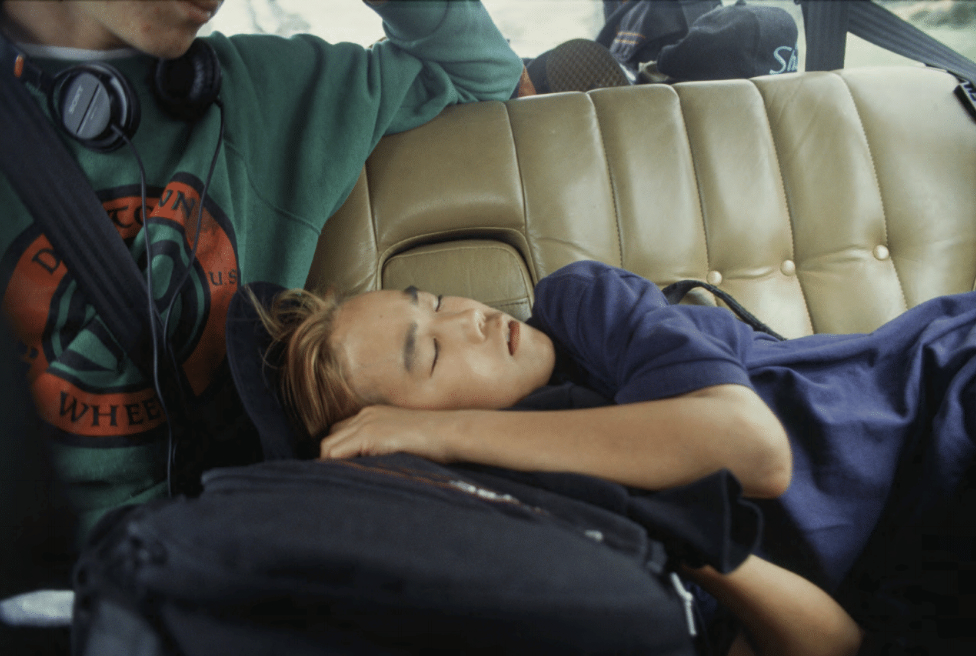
859, 444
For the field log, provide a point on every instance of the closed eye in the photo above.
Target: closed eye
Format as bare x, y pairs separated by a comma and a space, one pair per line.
437, 348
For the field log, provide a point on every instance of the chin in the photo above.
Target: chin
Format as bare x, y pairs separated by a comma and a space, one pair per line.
171, 46
173, 52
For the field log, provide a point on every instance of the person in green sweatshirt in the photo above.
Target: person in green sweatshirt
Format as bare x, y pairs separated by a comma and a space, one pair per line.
293, 124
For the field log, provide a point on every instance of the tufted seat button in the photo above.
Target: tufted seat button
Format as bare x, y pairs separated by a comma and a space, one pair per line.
881, 252
713, 278
788, 267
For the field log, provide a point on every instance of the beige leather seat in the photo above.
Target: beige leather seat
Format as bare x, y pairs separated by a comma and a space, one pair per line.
825, 202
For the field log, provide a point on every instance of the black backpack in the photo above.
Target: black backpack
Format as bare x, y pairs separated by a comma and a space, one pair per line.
396, 554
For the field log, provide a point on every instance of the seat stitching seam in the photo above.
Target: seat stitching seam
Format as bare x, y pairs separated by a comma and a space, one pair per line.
613, 185
789, 209
877, 183
530, 250
378, 265
694, 166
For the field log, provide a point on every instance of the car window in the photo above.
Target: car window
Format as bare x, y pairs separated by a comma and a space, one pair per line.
534, 26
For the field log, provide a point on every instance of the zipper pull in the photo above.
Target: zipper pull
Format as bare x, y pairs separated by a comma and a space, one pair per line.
689, 599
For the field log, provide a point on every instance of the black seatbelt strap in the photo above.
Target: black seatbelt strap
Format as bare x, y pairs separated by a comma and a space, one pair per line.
879, 26
826, 23
60, 198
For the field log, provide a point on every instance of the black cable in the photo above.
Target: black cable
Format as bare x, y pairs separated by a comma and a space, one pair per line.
677, 290
153, 313
169, 348
196, 235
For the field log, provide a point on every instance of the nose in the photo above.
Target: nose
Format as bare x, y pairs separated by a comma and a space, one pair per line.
469, 323
474, 323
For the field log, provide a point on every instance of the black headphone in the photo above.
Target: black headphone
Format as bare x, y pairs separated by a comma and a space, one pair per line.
95, 104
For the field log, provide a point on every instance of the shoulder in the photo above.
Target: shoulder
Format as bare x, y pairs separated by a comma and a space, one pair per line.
586, 273
583, 283
584, 269
267, 49
587, 305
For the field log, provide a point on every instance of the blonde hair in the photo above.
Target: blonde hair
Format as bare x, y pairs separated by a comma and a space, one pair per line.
312, 380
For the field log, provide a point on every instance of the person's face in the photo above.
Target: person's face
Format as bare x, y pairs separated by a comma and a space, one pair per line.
162, 28
416, 350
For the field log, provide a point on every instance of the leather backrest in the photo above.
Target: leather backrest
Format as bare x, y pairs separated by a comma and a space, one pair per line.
824, 202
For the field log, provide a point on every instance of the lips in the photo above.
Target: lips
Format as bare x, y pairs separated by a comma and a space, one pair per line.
201, 11
207, 5
513, 336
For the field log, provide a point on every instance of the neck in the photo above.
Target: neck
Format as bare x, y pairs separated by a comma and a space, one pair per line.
54, 24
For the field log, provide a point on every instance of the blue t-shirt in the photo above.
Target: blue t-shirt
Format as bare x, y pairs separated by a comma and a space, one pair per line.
877, 422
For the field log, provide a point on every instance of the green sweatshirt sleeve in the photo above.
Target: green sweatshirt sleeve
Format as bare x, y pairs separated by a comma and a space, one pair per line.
303, 115
465, 57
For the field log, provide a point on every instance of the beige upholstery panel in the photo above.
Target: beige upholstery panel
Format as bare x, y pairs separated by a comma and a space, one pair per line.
346, 253
470, 268
653, 179
924, 151
747, 223
569, 206
465, 184
825, 202
835, 203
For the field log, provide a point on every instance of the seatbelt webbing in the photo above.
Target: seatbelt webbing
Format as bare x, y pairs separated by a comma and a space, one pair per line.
879, 26
825, 25
828, 21
60, 198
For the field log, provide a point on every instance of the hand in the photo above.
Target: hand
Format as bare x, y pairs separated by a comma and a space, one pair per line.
783, 612
379, 430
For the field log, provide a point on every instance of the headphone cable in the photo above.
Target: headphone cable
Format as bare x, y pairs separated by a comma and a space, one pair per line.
153, 313
196, 235
167, 345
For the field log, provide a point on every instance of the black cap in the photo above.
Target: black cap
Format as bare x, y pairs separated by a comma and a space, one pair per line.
256, 374
738, 41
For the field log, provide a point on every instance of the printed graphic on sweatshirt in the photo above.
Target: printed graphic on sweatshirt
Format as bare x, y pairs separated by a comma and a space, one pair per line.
82, 381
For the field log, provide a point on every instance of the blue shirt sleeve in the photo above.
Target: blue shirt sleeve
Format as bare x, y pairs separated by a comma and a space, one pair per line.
630, 344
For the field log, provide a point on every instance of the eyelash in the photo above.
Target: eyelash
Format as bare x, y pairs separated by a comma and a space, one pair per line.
437, 348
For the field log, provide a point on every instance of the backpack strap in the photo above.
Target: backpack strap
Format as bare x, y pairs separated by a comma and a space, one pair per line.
677, 291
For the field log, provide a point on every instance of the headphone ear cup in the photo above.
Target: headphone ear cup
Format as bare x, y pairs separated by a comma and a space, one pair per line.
187, 86
90, 100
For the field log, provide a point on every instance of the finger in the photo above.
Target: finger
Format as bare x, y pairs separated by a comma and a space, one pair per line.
349, 444
328, 446
339, 426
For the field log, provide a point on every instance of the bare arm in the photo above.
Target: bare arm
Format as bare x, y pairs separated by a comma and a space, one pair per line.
783, 612
651, 445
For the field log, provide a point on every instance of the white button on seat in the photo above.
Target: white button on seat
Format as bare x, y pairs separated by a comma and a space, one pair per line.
788, 268
714, 278
881, 252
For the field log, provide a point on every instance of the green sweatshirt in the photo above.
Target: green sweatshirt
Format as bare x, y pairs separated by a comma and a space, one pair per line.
301, 116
